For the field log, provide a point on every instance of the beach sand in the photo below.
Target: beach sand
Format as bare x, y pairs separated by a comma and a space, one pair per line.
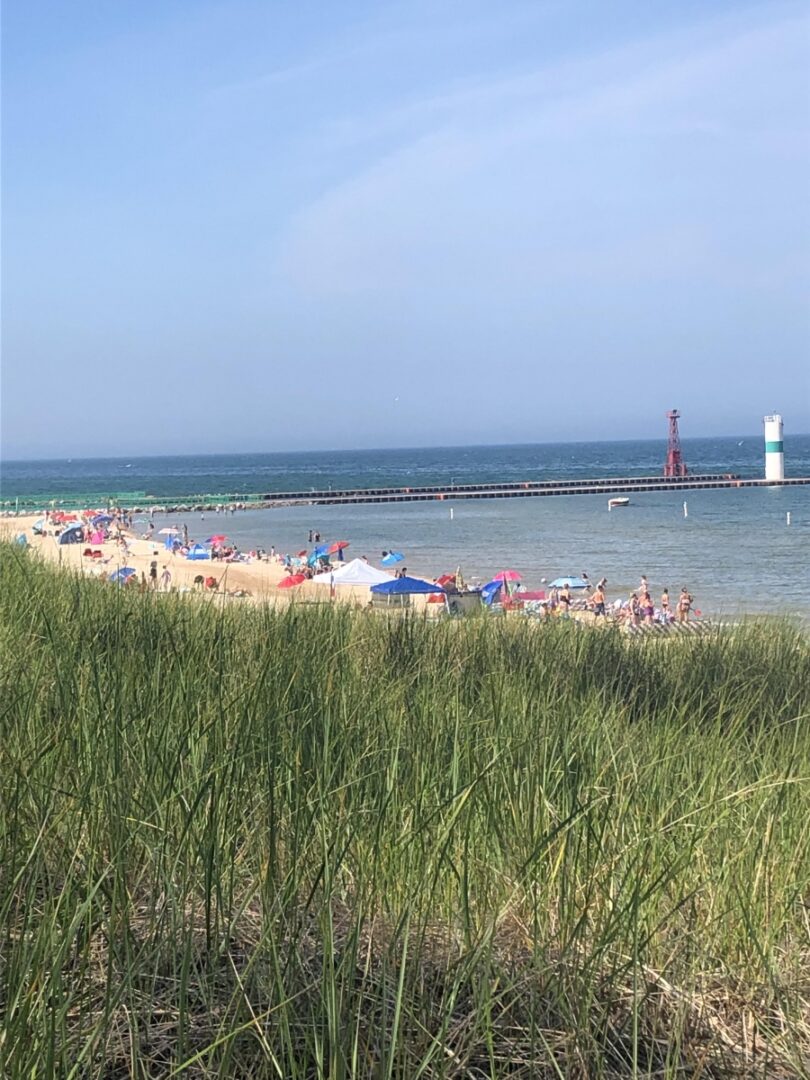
260, 579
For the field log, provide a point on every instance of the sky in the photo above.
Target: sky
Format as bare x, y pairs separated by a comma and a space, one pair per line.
256, 226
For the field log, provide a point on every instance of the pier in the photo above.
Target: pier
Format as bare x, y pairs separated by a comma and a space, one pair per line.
140, 502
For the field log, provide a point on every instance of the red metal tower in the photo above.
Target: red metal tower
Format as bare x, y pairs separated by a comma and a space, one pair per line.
674, 465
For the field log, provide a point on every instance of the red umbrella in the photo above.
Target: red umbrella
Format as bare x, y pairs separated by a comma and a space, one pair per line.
446, 579
338, 545
301, 554
293, 579
507, 575
216, 539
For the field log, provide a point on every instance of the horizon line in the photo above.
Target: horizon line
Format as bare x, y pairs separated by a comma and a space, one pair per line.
378, 449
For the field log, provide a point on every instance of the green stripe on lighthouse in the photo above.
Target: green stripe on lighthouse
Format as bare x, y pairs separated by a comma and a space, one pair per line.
774, 447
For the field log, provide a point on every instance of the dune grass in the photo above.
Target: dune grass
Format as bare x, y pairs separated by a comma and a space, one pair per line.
309, 842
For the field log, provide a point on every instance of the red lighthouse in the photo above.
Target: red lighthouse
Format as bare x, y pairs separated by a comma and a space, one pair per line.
674, 465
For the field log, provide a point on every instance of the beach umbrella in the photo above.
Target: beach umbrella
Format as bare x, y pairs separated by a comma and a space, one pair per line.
218, 539
168, 532
301, 554
393, 557
490, 592
102, 519
446, 579
339, 545
507, 575
571, 582
123, 575
405, 586
320, 552
293, 579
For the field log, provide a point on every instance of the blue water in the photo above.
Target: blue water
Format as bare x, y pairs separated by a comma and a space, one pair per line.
734, 550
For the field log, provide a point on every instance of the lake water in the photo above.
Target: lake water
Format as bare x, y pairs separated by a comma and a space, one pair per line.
734, 550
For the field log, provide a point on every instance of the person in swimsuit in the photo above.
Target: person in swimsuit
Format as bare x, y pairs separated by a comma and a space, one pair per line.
564, 600
598, 599
665, 605
635, 610
685, 602
647, 608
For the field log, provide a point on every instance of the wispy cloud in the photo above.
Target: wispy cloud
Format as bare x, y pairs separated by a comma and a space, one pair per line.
724, 80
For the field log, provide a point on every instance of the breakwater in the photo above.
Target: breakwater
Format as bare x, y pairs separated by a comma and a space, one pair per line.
139, 501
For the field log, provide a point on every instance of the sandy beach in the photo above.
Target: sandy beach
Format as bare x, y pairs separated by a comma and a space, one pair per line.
257, 580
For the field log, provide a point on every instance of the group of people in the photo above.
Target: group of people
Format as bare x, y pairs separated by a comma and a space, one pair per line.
638, 610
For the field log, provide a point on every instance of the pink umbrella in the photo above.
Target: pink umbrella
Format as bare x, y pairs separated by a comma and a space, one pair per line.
507, 575
293, 579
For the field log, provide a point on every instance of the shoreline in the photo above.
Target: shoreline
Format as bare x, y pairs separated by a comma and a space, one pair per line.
255, 581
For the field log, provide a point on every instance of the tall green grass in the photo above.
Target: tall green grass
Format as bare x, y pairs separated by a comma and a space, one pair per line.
243, 842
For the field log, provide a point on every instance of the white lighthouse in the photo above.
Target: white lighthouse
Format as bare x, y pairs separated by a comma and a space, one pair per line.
774, 448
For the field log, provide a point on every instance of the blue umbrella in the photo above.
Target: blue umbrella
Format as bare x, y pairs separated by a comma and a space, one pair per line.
393, 557
123, 575
102, 519
320, 552
571, 582
490, 592
405, 586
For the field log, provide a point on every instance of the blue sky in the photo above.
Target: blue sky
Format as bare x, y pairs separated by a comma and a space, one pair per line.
266, 226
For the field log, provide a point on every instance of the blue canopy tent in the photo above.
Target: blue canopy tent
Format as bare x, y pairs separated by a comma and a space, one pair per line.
198, 552
405, 586
74, 534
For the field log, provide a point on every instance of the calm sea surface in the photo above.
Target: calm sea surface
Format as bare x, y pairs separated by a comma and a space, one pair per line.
734, 550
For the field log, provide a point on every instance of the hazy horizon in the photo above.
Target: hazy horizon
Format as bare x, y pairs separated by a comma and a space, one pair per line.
140, 456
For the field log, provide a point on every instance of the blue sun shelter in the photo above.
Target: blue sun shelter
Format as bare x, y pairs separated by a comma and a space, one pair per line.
197, 551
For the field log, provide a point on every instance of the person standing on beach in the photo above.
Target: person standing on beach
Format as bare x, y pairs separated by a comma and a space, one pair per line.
685, 602
564, 601
665, 604
165, 579
647, 608
153, 574
598, 599
635, 610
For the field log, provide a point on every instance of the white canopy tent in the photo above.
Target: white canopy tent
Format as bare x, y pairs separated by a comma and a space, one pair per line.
356, 572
